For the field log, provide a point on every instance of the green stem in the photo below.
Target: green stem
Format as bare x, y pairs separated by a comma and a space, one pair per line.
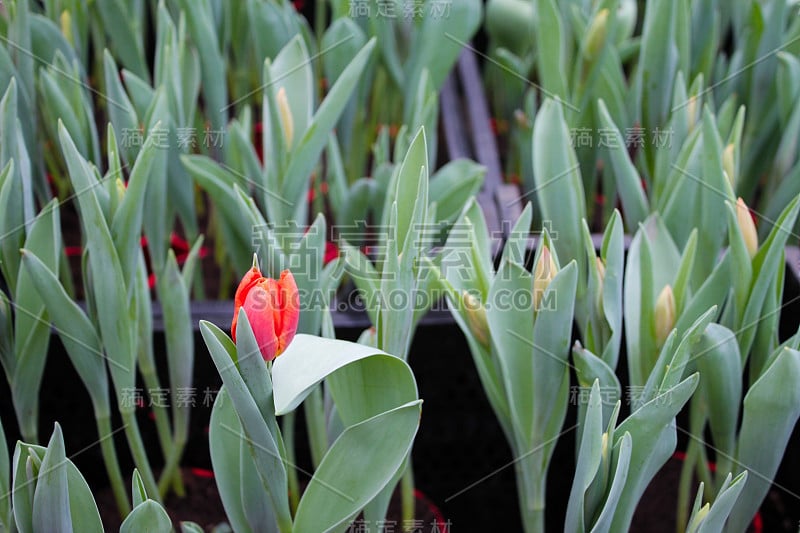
159, 411
531, 493
136, 445
171, 474
315, 422
685, 487
170, 450
695, 457
288, 439
28, 426
407, 499
112, 464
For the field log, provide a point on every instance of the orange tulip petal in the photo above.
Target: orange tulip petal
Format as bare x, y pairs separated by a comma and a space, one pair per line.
248, 282
290, 309
260, 314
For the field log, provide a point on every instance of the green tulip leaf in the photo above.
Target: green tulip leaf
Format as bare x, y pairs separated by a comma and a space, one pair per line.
767, 418
147, 517
357, 467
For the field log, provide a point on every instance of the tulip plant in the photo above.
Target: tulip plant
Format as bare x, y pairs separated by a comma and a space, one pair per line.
115, 334
267, 371
25, 341
518, 327
47, 492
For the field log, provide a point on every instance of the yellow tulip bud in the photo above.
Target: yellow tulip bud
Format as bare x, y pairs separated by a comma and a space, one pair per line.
747, 227
121, 188
665, 314
544, 273
691, 112
596, 35
601, 272
604, 447
476, 318
601, 268
729, 164
66, 26
287, 120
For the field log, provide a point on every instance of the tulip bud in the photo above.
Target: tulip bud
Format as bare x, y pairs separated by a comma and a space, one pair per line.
747, 227
596, 35
729, 164
544, 273
522, 119
601, 272
665, 314
601, 268
287, 120
604, 446
476, 318
66, 26
272, 308
691, 112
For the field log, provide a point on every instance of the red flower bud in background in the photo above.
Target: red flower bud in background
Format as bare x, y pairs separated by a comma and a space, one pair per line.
272, 308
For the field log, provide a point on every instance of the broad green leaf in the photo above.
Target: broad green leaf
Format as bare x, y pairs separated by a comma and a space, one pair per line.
652, 262
440, 39
147, 517
622, 457
516, 246
126, 227
226, 459
137, 489
766, 262
551, 47
107, 278
77, 333
308, 360
31, 327
559, 188
767, 418
219, 182
453, 185
658, 63
588, 462
716, 357
120, 109
213, 68
357, 466
307, 151
51, 510
612, 253
511, 328
588, 368
653, 436
191, 527
291, 71
629, 184
551, 341
116, 16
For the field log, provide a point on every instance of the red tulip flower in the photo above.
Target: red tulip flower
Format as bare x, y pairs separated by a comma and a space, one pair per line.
272, 308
